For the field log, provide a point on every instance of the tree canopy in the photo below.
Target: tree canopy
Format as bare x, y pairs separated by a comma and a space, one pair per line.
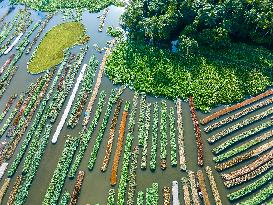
212, 21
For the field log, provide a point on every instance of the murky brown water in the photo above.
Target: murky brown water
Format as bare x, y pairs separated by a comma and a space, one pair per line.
96, 184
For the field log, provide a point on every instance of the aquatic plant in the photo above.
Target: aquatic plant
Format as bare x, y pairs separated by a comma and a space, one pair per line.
51, 50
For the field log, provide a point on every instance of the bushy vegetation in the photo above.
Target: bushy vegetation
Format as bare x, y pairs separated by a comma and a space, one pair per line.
212, 21
54, 5
219, 55
51, 50
212, 76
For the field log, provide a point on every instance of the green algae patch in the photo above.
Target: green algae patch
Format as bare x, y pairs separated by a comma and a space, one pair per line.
51, 50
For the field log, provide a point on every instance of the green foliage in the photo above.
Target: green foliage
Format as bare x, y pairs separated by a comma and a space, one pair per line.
51, 50
45, 5
215, 21
212, 76
256, 185
111, 197
115, 32
187, 45
152, 19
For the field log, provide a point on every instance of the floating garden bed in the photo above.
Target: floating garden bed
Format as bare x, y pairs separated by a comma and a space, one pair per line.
119, 148
109, 146
51, 50
197, 131
181, 144
154, 147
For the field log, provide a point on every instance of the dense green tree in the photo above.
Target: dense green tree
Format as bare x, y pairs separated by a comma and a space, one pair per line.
163, 20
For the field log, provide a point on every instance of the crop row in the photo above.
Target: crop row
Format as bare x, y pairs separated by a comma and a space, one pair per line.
83, 94
86, 136
32, 90
7, 28
239, 125
65, 198
197, 131
186, 191
193, 186
7, 106
59, 98
14, 190
115, 94
62, 89
37, 36
154, 137
163, 136
57, 181
244, 135
132, 176
141, 120
5, 83
119, 147
17, 24
250, 167
261, 196
102, 19
41, 88
41, 113
239, 114
173, 138
166, 195
4, 189
127, 154
96, 86
7, 64
256, 185
77, 188
235, 107
253, 153
213, 185
22, 127
110, 141
152, 195
29, 33
32, 132
69, 104
251, 175
181, 144
203, 188
250, 154
23, 191
34, 143
140, 198
111, 197
12, 115
23, 23
146, 136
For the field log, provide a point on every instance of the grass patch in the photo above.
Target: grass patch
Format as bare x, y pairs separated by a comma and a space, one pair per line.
212, 77
51, 50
